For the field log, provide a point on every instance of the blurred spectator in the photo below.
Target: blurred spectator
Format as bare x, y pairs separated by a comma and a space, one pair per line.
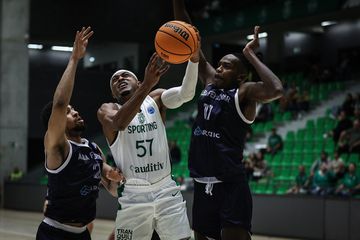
322, 181
275, 142
336, 162
259, 165
350, 184
16, 174
348, 105
323, 160
265, 113
304, 101
349, 141
175, 153
291, 98
249, 168
301, 182
343, 123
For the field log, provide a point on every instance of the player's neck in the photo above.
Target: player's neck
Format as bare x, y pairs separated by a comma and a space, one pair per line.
76, 139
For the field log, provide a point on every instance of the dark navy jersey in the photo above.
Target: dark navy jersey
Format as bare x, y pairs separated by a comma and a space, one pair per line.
218, 136
73, 187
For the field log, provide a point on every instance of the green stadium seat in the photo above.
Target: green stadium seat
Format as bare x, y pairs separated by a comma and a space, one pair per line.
310, 124
290, 136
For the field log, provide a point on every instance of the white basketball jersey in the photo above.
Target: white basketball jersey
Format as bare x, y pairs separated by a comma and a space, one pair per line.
141, 150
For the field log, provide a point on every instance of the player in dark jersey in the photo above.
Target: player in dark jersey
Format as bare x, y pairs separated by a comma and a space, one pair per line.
222, 207
74, 165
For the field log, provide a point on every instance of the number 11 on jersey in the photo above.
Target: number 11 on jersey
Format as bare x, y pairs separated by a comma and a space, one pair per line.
207, 111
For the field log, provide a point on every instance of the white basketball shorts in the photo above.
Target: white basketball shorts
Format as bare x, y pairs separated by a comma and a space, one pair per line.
159, 206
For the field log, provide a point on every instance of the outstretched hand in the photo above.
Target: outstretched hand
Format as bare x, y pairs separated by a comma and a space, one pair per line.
115, 175
81, 42
253, 44
195, 57
154, 70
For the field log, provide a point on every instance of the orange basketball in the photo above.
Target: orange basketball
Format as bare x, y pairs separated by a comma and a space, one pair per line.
176, 41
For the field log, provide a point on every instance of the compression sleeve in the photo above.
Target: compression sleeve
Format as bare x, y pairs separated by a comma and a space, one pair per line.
176, 96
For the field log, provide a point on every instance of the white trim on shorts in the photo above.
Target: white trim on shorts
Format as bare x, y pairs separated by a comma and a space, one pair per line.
140, 185
63, 227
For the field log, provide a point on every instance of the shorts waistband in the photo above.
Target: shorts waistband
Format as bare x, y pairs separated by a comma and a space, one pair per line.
62, 226
207, 180
144, 185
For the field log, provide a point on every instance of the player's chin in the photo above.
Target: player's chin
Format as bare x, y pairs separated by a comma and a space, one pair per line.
80, 127
219, 83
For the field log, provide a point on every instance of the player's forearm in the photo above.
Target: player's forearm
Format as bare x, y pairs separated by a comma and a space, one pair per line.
128, 111
110, 186
180, 12
175, 97
270, 80
65, 87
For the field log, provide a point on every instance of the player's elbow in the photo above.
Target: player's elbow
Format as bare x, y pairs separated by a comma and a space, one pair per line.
278, 92
188, 96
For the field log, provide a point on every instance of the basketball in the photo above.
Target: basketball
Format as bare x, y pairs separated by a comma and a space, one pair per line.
176, 41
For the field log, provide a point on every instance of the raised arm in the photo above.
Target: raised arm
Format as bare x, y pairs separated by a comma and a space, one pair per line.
111, 178
117, 119
176, 96
206, 71
270, 86
56, 146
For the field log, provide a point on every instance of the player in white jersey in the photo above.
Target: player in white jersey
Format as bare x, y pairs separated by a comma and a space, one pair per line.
134, 128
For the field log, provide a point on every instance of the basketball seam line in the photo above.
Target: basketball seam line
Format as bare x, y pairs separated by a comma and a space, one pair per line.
177, 54
179, 22
178, 39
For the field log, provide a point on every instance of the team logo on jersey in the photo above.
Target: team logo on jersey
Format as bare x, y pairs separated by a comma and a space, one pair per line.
95, 156
141, 118
151, 110
85, 190
123, 234
83, 157
218, 97
201, 132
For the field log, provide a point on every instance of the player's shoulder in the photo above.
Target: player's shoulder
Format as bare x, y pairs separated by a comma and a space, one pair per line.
157, 92
110, 105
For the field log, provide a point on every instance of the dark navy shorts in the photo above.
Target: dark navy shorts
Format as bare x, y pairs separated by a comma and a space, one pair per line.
47, 232
229, 206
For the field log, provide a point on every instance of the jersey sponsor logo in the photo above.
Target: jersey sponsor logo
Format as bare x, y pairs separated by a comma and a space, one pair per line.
201, 132
151, 110
150, 167
123, 234
95, 156
83, 157
147, 127
212, 94
141, 118
85, 190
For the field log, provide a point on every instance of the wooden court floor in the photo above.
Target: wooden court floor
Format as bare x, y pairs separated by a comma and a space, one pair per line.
18, 225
